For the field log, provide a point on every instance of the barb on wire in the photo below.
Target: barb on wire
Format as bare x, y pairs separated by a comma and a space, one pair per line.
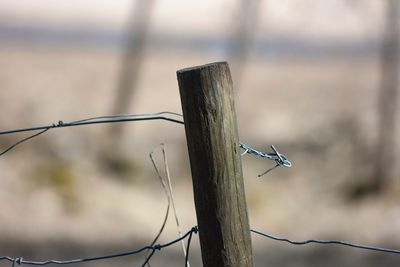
280, 159
328, 242
153, 248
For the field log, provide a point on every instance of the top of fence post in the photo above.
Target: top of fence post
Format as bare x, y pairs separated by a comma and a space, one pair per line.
211, 131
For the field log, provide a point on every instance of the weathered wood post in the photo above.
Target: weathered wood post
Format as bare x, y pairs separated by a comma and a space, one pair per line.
212, 137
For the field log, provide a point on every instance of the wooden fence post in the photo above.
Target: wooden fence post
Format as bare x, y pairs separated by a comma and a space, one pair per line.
211, 132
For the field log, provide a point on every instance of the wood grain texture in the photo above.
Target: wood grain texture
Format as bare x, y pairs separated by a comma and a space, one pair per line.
212, 137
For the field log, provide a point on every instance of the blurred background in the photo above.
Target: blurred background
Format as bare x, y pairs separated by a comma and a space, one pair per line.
318, 79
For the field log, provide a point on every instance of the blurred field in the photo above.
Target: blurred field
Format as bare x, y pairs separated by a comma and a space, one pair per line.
58, 197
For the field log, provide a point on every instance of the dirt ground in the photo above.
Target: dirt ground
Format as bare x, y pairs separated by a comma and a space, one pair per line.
61, 196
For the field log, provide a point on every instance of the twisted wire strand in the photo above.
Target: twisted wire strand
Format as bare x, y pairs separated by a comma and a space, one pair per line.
88, 121
99, 120
327, 242
280, 159
20, 260
276, 155
128, 116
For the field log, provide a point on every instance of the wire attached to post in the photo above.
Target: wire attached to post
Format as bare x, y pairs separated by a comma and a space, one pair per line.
280, 159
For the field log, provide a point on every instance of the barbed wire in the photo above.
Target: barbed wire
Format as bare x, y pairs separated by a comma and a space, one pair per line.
152, 248
327, 242
88, 121
101, 119
279, 158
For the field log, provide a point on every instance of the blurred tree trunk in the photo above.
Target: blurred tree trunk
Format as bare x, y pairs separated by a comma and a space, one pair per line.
385, 151
113, 156
246, 20
131, 61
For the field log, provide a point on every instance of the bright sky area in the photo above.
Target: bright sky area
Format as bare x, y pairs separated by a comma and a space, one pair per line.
309, 18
